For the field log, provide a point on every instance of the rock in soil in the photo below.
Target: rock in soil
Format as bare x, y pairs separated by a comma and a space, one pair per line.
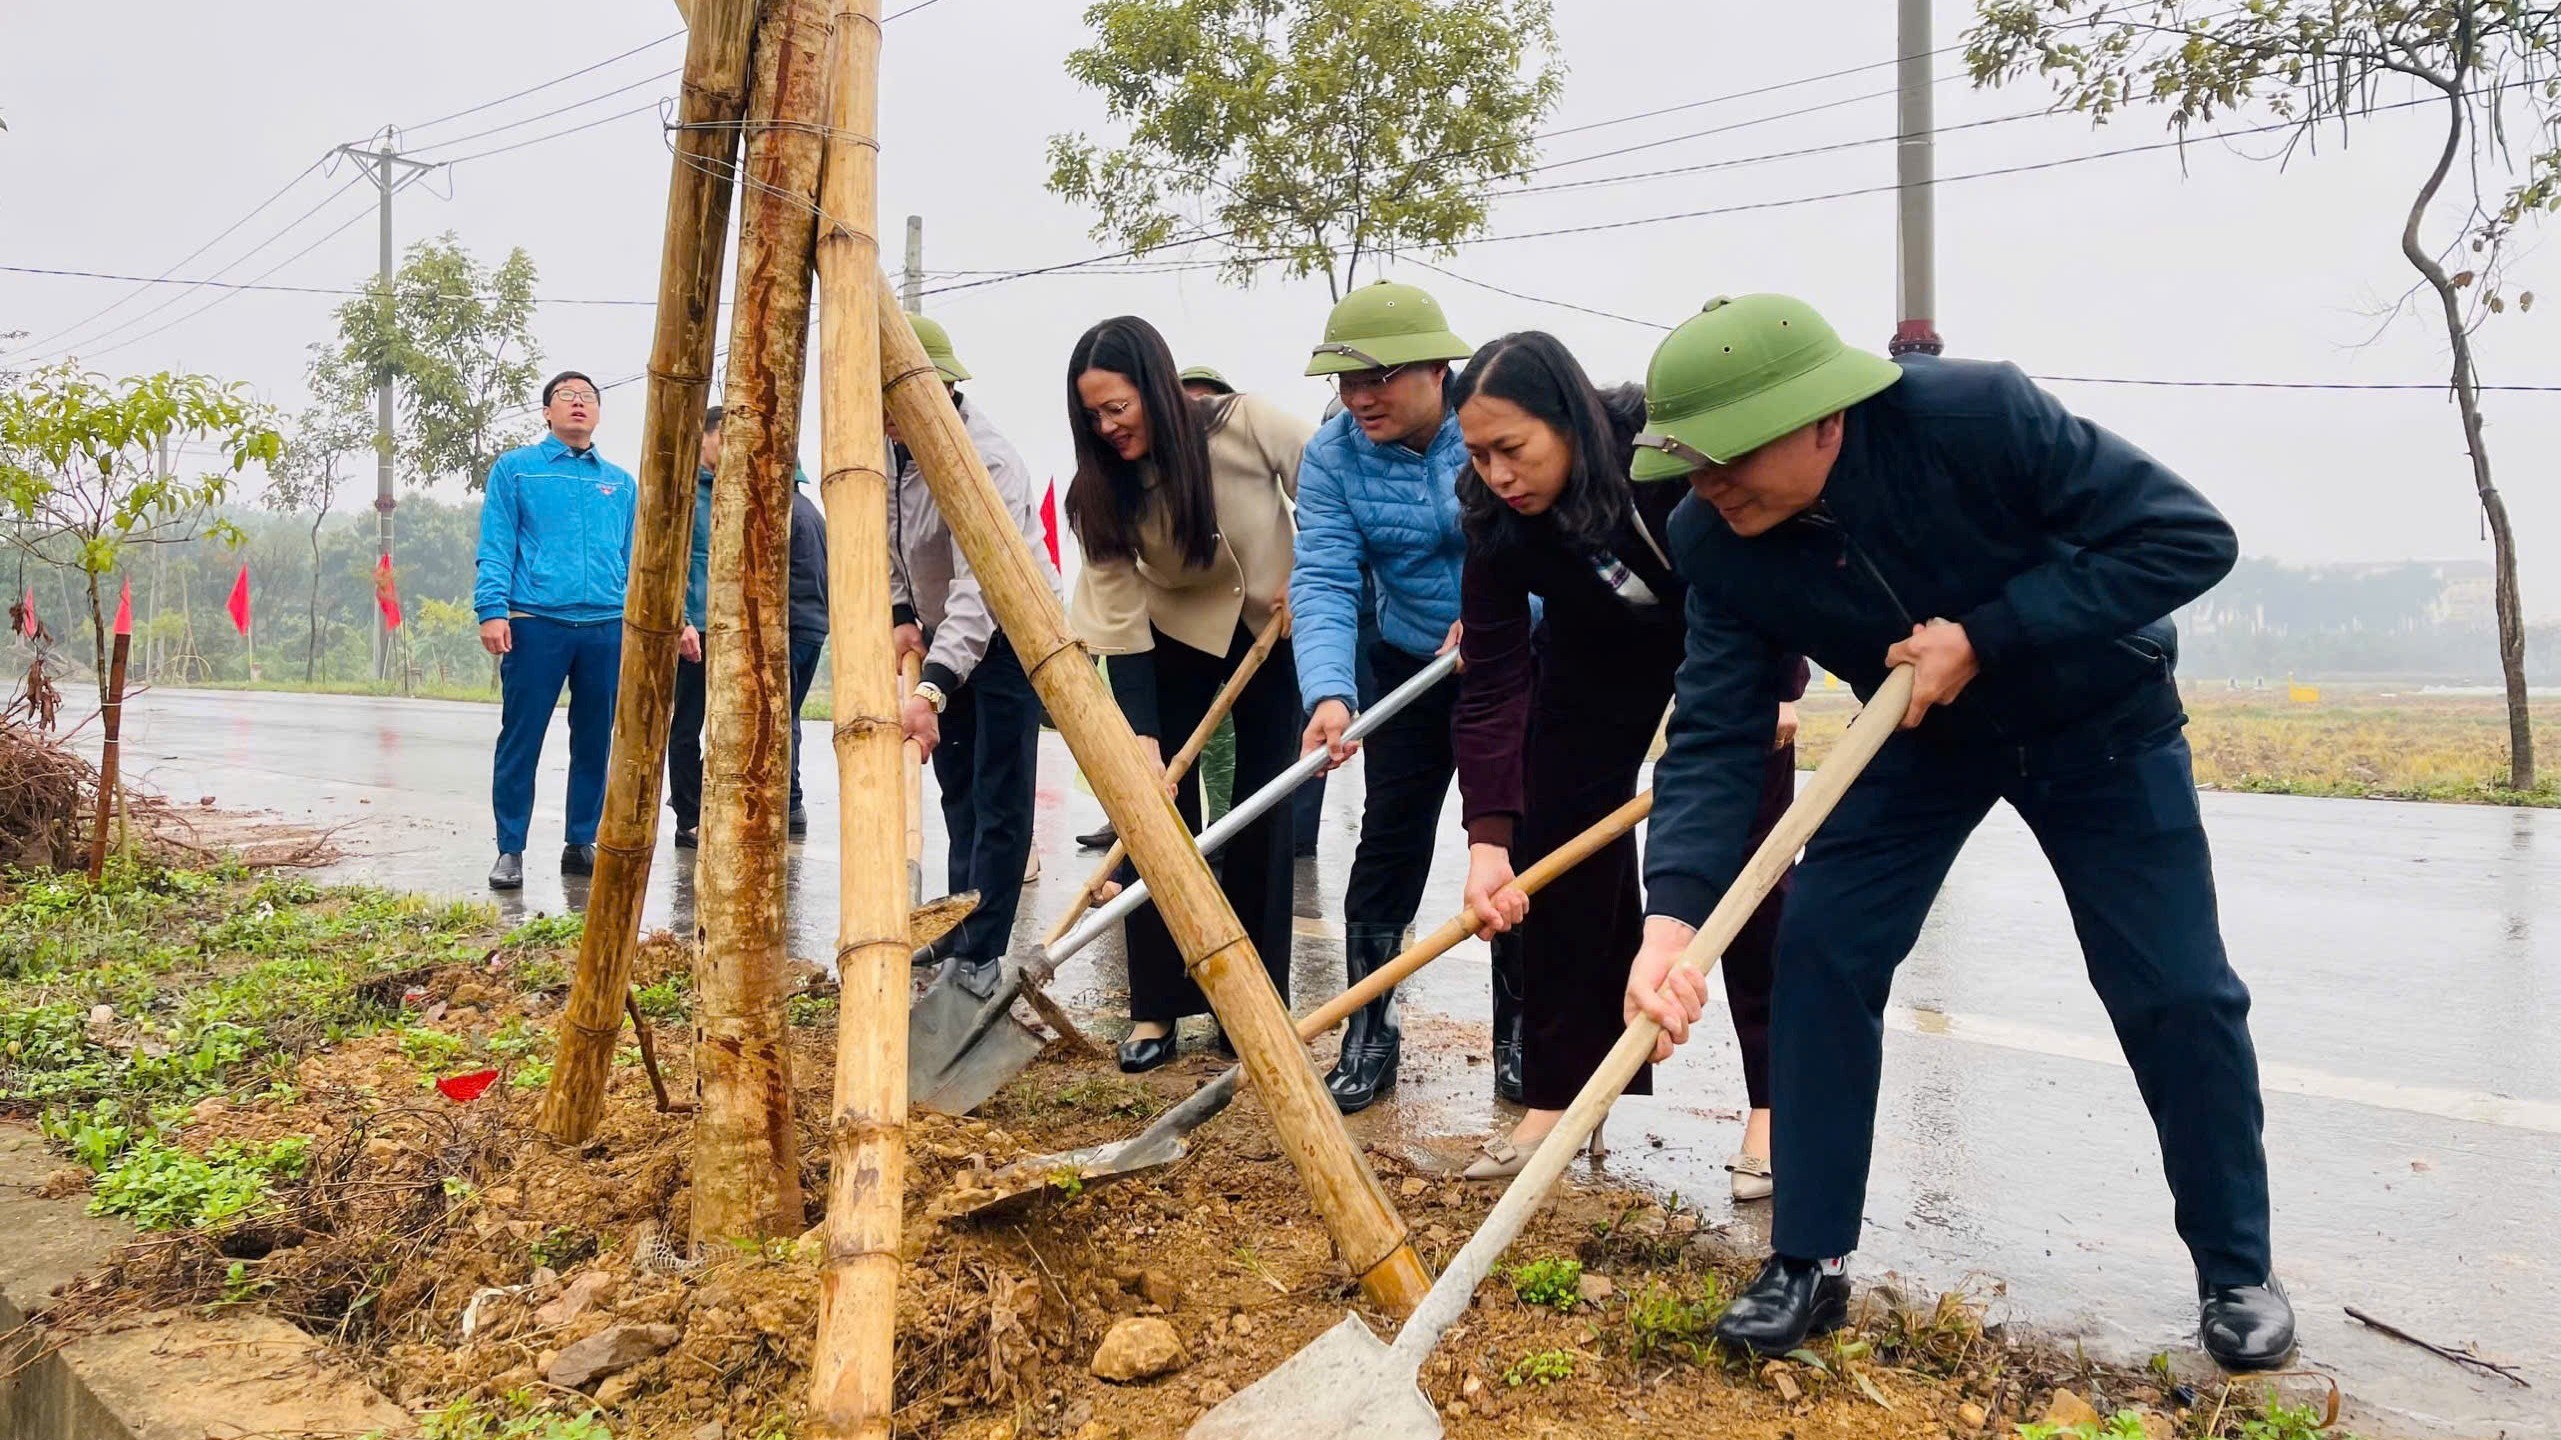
1161, 1290
1215, 1392
594, 1287
1140, 1348
2066, 1410
1595, 1288
1784, 1383
1971, 1416
607, 1351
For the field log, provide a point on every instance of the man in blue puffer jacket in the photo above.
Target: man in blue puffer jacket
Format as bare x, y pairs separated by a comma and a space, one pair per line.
1377, 492
555, 551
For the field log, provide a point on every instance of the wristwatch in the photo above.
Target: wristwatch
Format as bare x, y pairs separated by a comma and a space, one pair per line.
932, 694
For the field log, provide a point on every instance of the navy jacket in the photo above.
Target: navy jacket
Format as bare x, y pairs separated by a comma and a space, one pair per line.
1963, 492
808, 561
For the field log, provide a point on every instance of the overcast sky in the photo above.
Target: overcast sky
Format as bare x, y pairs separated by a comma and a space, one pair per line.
131, 144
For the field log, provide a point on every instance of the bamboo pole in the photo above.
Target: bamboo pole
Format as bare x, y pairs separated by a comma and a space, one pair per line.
1273, 630
111, 718
854, 1371
698, 191
746, 1151
1365, 1227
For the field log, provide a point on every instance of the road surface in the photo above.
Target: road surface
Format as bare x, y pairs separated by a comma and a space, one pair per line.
2406, 963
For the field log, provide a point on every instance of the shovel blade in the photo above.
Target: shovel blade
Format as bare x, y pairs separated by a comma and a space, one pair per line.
1011, 1185
943, 1078
1345, 1385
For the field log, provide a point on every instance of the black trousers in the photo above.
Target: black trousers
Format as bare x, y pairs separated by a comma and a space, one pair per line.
685, 730
1254, 869
1406, 766
2116, 813
985, 767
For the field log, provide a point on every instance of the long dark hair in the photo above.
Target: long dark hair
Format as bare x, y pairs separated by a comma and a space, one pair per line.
1534, 370
1108, 497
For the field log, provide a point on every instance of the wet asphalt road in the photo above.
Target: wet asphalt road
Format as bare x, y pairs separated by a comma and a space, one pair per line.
2406, 963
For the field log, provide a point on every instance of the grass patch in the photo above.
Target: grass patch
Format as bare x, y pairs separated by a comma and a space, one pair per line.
1663, 1321
1540, 1367
1099, 1096
1554, 1283
160, 1187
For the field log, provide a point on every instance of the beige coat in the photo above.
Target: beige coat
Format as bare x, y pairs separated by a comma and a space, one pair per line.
1253, 464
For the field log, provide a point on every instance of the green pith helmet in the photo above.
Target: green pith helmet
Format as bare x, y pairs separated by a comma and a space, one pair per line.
937, 343
1382, 325
1203, 375
1740, 374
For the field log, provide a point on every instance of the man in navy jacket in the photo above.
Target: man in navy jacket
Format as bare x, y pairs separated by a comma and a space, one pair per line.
1948, 515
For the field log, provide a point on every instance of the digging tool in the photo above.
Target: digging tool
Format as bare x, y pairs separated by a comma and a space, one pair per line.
962, 1049
1162, 1142
1274, 631
1346, 1383
649, 1058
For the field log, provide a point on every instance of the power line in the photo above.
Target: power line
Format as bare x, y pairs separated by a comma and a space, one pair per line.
547, 84
554, 135
555, 110
285, 289
333, 233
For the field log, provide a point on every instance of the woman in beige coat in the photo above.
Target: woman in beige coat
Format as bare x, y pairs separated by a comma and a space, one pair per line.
1181, 507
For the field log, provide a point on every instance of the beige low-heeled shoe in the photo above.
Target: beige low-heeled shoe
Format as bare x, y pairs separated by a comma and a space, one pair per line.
1752, 1180
1501, 1159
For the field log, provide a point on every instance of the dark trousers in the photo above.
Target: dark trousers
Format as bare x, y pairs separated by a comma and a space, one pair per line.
685, 730
1590, 727
2116, 814
1308, 804
1254, 869
546, 656
985, 766
1406, 765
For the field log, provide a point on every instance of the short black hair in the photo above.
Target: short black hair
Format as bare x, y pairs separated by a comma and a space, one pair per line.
711, 419
556, 381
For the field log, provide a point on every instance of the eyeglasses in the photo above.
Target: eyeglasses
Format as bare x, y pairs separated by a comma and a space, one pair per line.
1680, 450
589, 397
1352, 382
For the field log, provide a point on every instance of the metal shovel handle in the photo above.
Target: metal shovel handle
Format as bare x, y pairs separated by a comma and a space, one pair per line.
1449, 1296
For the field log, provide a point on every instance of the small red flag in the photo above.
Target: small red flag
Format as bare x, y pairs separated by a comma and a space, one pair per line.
1049, 521
386, 593
238, 605
124, 608
463, 1089
27, 616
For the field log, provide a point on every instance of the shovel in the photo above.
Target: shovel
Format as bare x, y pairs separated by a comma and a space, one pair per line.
1346, 1383
962, 1049
1162, 1142
1274, 630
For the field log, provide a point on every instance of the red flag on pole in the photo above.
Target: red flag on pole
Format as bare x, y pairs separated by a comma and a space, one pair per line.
27, 615
238, 605
386, 593
1049, 521
124, 608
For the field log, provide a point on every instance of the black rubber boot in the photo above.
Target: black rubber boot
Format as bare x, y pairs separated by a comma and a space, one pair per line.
1507, 1018
1371, 1041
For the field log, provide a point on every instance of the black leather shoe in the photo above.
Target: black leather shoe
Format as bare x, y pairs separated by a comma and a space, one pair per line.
1102, 839
577, 859
1790, 1301
798, 823
1140, 1056
688, 837
1508, 1047
2246, 1327
508, 873
1372, 1043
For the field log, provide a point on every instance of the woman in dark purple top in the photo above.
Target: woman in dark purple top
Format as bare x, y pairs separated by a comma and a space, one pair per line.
1554, 719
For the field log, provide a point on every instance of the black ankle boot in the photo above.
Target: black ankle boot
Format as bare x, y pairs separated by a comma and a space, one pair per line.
1507, 1018
2245, 1327
1371, 1041
1788, 1302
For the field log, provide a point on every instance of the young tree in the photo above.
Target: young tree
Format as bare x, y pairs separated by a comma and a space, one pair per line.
327, 439
2488, 65
1309, 134
457, 339
77, 472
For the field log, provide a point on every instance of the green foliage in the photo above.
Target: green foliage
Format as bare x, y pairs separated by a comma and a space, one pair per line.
2123, 1425
2279, 1421
1308, 134
515, 1418
457, 338
433, 1051
547, 930
1661, 1321
160, 1187
1540, 1367
1554, 1282
667, 997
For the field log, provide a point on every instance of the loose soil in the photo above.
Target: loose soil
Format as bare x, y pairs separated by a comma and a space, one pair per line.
423, 1236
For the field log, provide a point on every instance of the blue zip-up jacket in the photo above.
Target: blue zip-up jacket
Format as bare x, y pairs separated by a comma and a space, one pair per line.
1393, 511
808, 560
1963, 492
555, 535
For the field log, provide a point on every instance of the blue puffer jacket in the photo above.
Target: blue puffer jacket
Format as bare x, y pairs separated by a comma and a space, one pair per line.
1386, 509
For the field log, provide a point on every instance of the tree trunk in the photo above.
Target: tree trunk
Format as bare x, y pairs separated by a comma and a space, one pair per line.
2467, 398
746, 1152
311, 645
98, 636
854, 1370
1365, 1228
680, 364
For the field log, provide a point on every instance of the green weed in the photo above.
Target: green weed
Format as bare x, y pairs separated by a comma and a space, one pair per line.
546, 930
667, 998
1555, 1283
471, 1420
1664, 1322
1540, 1367
161, 1187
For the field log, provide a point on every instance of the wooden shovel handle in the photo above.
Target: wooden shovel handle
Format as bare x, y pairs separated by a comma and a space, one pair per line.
1273, 632
911, 673
1876, 723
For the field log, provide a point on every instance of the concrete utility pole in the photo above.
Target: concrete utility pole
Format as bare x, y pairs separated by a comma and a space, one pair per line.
390, 172
1915, 171
911, 286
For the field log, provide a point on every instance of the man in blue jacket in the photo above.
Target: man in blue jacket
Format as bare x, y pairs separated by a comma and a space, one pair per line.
808, 638
555, 549
1377, 493
1948, 515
